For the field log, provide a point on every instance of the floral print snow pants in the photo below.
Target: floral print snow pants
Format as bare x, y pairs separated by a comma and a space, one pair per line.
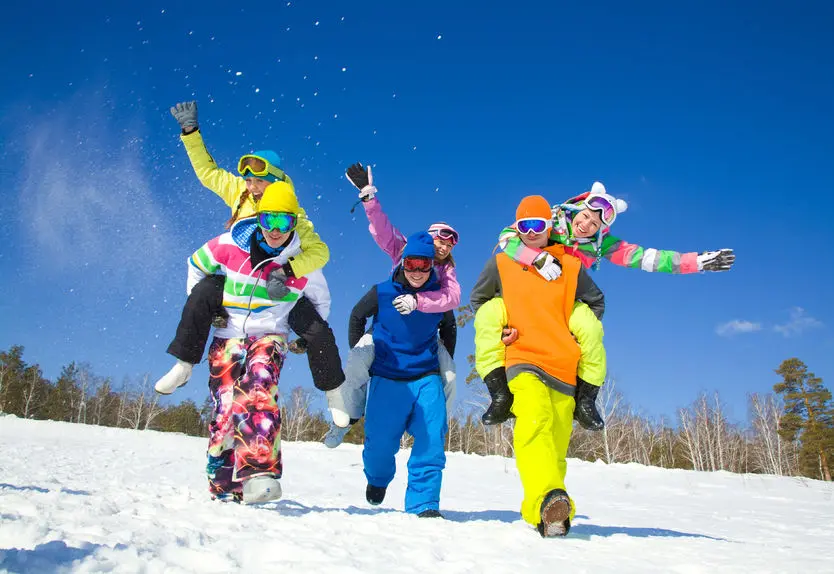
245, 426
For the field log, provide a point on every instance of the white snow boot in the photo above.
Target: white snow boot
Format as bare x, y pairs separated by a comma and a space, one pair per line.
335, 435
261, 488
175, 378
338, 410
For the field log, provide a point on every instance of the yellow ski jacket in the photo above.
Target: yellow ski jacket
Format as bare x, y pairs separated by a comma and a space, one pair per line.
230, 187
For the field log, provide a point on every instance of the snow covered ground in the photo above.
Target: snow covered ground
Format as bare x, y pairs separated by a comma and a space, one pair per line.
89, 499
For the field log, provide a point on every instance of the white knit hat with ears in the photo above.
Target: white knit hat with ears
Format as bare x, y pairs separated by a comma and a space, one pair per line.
619, 204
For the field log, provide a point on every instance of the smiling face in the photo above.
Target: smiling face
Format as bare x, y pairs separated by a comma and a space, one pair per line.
256, 186
442, 249
275, 238
417, 278
586, 223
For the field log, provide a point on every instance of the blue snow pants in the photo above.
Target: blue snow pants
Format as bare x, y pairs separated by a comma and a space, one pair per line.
418, 407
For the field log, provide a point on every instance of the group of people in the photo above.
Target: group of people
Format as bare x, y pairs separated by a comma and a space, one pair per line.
538, 343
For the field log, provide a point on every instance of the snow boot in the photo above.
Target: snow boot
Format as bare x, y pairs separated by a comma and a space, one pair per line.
338, 409
555, 513
375, 494
335, 435
502, 398
175, 378
261, 488
586, 412
430, 513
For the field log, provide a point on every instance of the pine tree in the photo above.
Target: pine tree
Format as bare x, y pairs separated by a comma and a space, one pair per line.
808, 418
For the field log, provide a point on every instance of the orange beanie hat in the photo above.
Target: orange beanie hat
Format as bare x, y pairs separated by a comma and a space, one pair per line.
533, 206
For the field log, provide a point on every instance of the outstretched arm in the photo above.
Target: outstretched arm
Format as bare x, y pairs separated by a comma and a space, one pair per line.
367, 306
225, 184
632, 256
388, 237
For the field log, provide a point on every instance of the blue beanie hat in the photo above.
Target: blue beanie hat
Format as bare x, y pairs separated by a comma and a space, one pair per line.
273, 159
419, 245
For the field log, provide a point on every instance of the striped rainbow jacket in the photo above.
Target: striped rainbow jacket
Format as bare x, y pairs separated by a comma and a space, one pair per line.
251, 311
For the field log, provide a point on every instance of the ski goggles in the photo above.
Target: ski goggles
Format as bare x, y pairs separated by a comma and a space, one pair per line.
607, 211
277, 221
532, 225
421, 264
255, 166
445, 232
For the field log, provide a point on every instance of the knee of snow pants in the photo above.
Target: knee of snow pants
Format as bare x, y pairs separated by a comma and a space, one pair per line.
202, 304
588, 332
543, 426
350, 398
416, 406
322, 351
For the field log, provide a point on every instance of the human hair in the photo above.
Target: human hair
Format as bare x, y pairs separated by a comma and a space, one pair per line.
243, 197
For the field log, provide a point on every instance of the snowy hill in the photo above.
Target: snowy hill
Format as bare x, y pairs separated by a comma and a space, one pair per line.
88, 499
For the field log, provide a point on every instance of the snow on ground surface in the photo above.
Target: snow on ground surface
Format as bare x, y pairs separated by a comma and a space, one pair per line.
77, 498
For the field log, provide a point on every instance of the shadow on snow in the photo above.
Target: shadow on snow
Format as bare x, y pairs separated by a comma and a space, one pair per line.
47, 557
42, 489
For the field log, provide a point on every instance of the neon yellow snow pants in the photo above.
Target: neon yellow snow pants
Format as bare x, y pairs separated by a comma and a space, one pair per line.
586, 328
544, 421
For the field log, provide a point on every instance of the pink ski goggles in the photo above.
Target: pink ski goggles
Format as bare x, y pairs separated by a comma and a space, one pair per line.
443, 231
608, 213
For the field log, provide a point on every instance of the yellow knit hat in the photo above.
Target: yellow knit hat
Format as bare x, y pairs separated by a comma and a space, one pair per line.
279, 196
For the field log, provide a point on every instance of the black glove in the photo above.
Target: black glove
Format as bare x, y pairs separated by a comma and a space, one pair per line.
186, 115
721, 260
357, 174
276, 285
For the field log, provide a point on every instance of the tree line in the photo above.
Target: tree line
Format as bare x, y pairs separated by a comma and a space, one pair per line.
788, 432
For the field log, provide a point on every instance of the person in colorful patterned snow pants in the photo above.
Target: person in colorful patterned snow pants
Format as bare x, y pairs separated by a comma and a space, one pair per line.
347, 405
245, 357
203, 306
582, 224
405, 393
540, 365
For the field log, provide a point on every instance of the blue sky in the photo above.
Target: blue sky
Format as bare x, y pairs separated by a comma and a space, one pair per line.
712, 119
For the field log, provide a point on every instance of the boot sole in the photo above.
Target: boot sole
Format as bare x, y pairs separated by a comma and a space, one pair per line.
554, 516
171, 392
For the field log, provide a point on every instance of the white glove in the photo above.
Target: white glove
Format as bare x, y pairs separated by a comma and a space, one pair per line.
721, 260
405, 304
548, 267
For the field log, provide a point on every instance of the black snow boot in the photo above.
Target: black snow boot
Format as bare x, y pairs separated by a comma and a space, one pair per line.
375, 494
502, 398
555, 512
430, 513
586, 412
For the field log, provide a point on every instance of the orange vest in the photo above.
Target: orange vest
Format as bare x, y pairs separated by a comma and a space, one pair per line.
540, 310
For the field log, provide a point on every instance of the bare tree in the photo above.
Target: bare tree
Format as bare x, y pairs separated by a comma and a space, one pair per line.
770, 452
31, 390
297, 421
